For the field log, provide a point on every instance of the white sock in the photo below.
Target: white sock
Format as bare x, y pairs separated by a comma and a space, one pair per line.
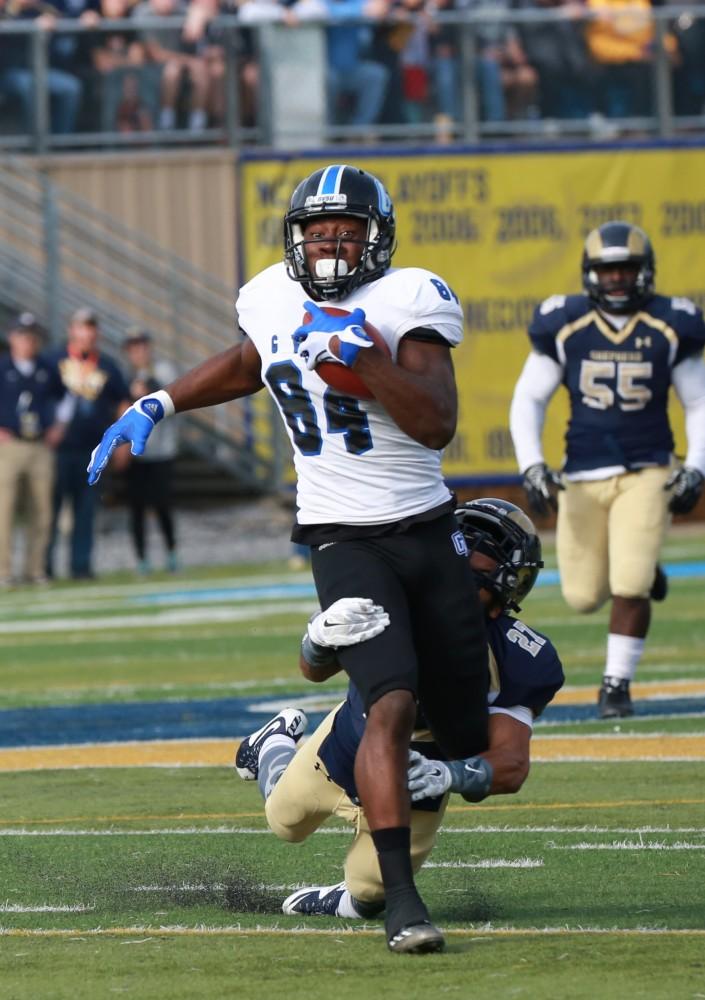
346, 907
167, 118
274, 758
197, 120
623, 655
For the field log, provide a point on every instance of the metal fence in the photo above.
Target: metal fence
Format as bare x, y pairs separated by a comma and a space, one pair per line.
289, 110
58, 253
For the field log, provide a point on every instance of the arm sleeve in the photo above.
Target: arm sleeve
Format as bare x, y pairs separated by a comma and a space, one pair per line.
537, 383
689, 383
522, 713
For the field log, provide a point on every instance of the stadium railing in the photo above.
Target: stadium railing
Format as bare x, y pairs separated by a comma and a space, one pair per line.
279, 123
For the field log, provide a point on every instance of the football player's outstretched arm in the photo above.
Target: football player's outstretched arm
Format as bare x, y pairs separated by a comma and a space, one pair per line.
418, 392
231, 374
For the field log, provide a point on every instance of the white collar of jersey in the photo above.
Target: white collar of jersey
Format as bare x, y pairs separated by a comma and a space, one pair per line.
617, 320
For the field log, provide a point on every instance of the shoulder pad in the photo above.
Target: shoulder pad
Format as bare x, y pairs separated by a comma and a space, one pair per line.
552, 303
411, 298
678, 302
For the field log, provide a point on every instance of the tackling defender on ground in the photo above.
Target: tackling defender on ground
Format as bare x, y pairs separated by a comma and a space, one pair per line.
304, 787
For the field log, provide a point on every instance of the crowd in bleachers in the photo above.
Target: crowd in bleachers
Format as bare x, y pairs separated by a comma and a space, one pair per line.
400, 63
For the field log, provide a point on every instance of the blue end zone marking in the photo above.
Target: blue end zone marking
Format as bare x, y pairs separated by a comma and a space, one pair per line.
221, 718
273, 592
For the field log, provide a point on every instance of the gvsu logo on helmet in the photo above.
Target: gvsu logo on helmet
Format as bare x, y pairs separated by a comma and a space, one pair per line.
459, 543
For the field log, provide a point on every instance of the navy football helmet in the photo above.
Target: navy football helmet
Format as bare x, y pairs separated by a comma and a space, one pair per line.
501, 530
340, 189
618, 243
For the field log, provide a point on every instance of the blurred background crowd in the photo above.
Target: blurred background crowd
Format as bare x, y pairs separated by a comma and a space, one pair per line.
389, 62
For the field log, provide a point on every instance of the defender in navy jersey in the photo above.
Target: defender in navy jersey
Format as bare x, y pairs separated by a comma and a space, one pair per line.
372, 503
304, 787
617, 349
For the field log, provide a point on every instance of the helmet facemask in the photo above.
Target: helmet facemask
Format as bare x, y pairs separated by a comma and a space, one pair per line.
339, 281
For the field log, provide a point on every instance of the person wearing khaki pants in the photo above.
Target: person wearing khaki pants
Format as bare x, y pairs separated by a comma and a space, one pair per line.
32, 404
618, 349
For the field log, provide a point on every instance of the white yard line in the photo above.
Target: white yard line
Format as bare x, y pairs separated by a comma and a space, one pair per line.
156, 618
237, 930
207, 831
627, 845
44, 908
488, 863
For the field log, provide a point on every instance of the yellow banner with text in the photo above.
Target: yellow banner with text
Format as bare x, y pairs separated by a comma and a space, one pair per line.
505, 230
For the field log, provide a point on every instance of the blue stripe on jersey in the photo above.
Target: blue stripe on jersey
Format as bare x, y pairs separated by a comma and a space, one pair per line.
330, 181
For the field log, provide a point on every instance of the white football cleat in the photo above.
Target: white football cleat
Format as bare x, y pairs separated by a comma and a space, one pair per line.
289, 722
329, 901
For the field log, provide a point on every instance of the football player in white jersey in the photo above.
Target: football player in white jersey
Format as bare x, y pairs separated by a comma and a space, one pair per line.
304, 787
371, 500
617, 348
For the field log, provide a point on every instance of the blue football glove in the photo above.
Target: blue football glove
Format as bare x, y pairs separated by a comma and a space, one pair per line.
312, 339
134, 426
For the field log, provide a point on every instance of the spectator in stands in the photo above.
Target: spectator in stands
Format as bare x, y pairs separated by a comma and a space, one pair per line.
415, 63
175, 52
557, 51
506, 79
71, 53
101, 394
118, 58
132, 114
33, 414
253, 12
392, 33
445, 71
621, 41
689, 75
17, 76
149, 476
352, 74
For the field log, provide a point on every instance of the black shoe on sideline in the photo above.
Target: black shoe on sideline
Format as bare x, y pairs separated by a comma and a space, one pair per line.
614, 700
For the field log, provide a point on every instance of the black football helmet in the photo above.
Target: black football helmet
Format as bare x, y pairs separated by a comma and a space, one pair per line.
340, 190
501, 530
618, 243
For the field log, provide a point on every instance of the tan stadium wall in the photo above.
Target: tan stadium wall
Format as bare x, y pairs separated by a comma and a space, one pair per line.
186, 201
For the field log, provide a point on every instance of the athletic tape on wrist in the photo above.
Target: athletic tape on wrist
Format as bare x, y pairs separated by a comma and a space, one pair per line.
472, 778
315, 655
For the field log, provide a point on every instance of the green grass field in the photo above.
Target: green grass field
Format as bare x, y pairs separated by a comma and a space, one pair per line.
164, 882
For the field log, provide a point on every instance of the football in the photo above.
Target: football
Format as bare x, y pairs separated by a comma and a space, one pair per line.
339, 376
